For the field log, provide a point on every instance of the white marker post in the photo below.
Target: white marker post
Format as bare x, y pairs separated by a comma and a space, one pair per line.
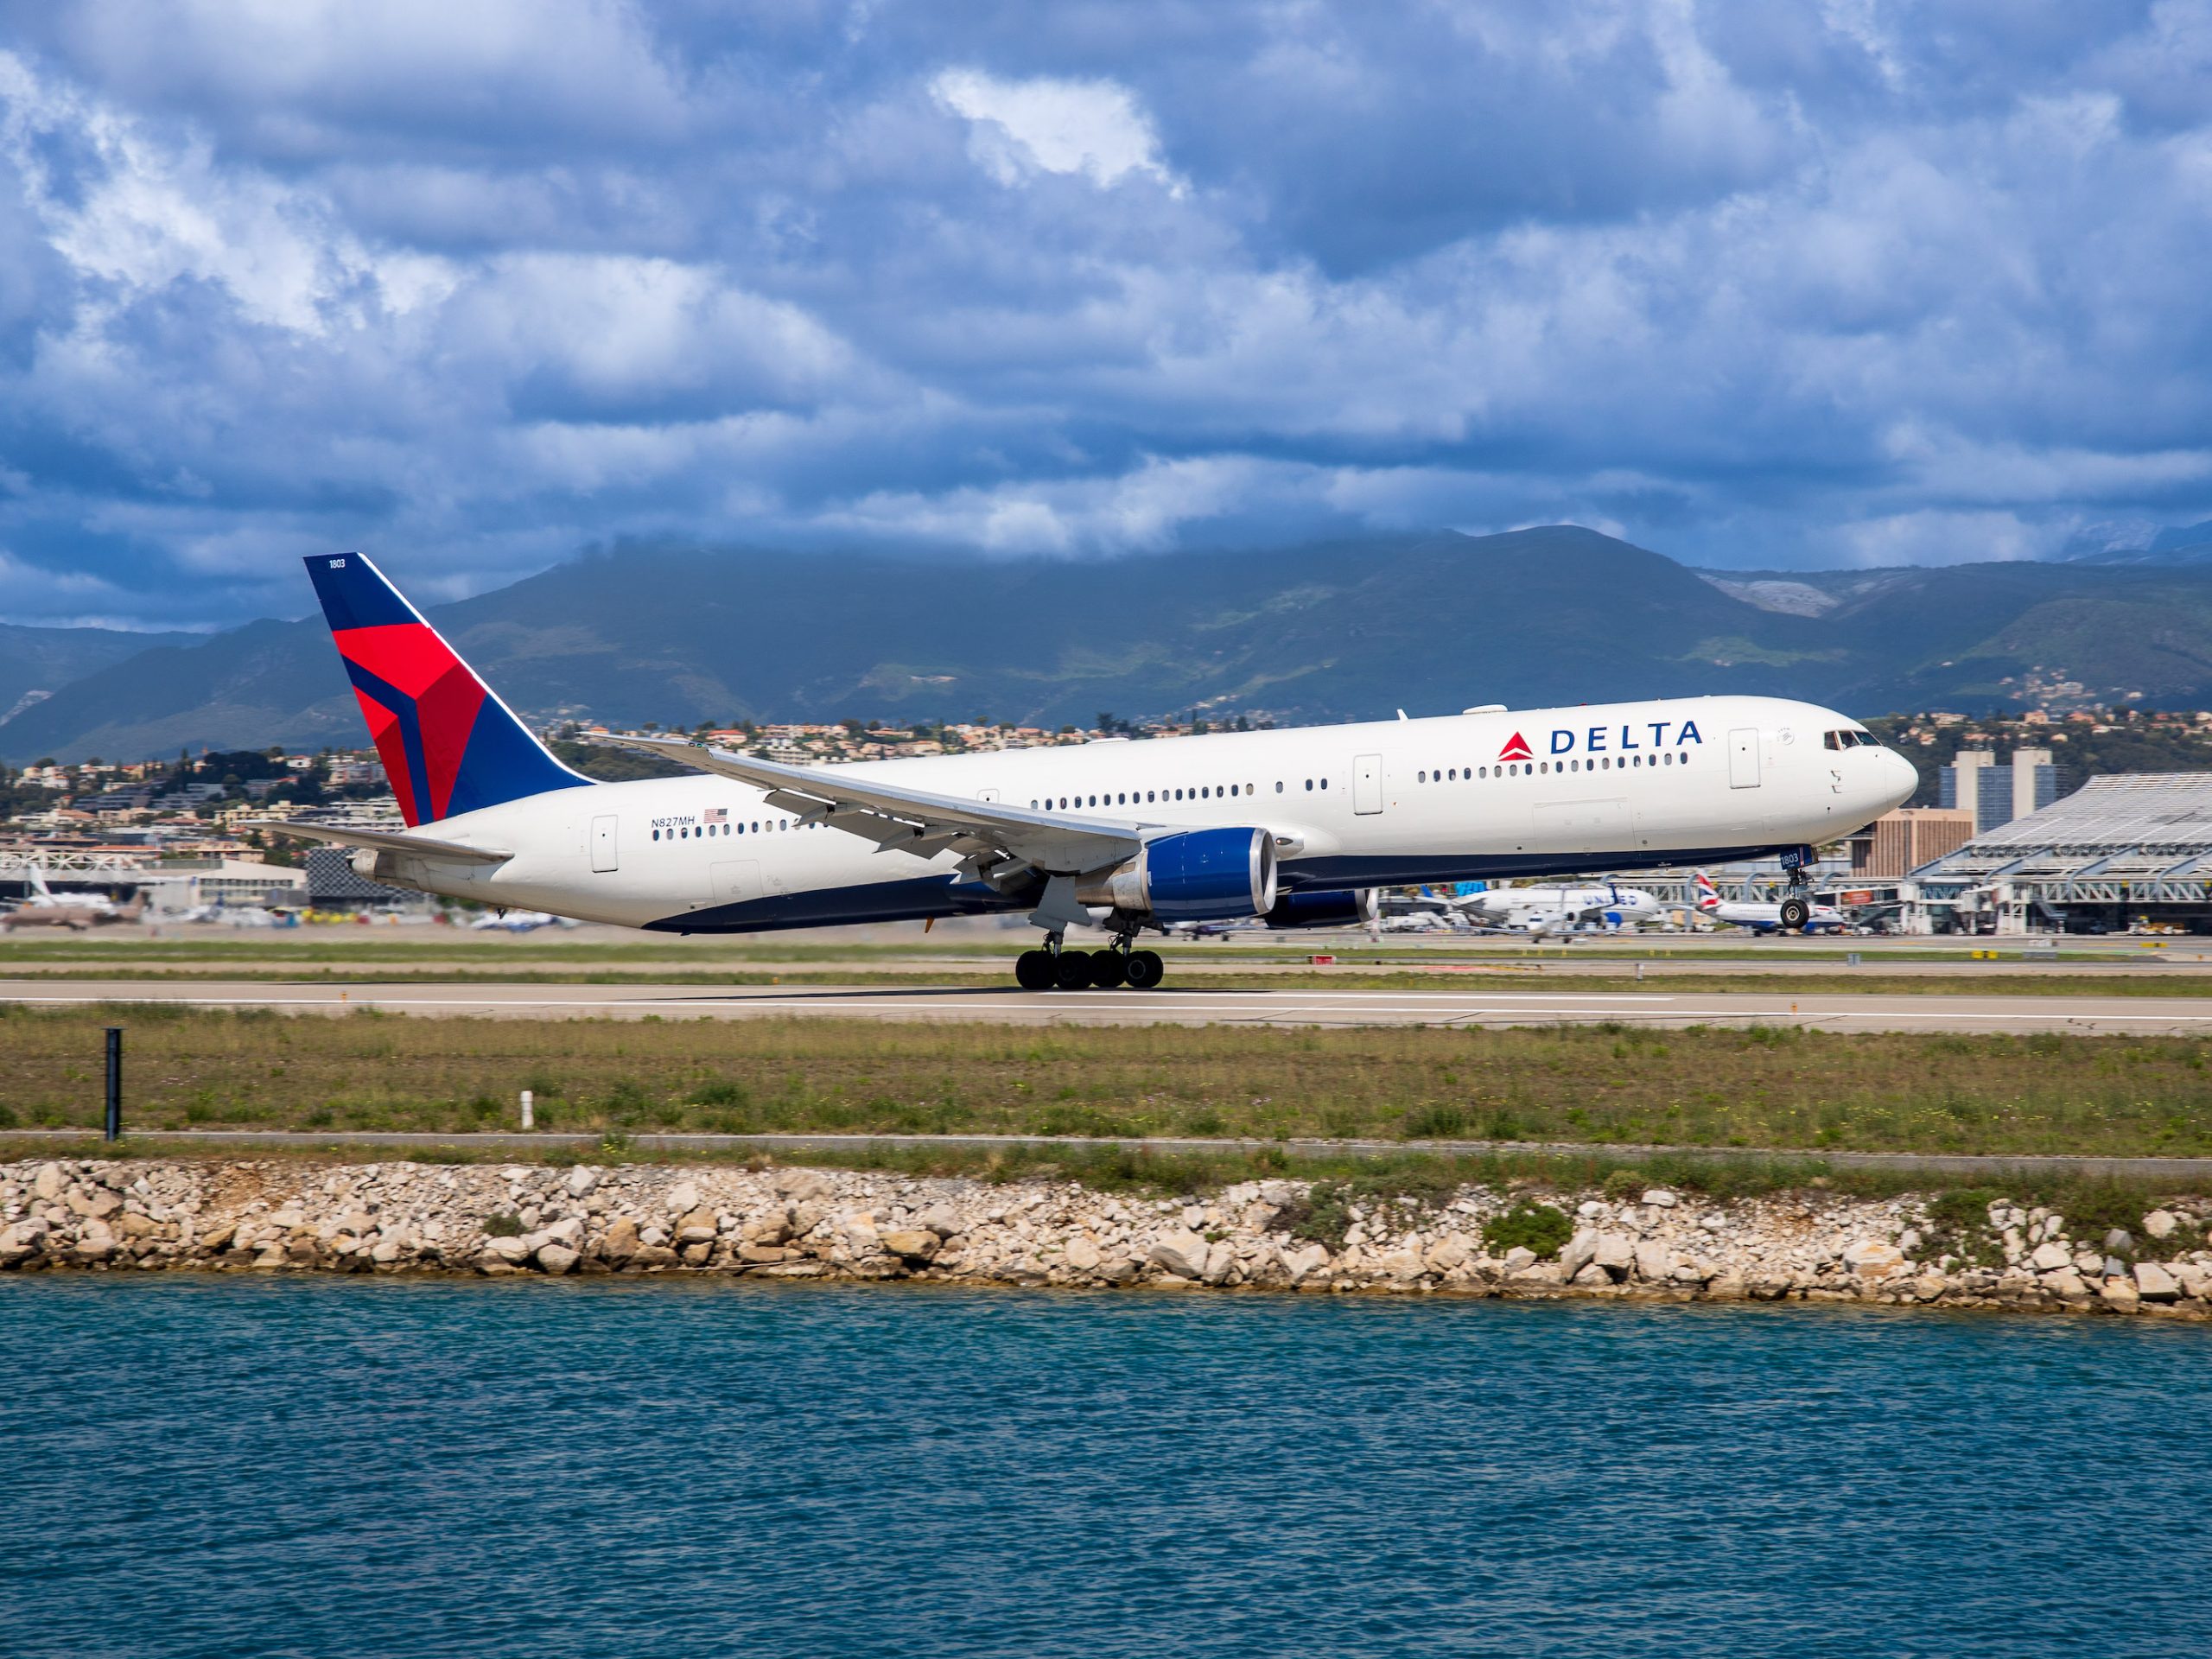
526, 1122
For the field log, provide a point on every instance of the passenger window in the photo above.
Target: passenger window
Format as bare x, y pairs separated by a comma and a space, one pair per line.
1309, 785
1278, 785
1325, 783
1421, 776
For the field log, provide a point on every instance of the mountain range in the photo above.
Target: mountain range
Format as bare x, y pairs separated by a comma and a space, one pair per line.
1430, 622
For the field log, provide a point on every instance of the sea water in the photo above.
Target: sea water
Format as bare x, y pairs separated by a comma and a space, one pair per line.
345, 1469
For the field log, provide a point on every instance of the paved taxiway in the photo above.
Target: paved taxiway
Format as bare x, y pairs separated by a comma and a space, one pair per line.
1184, 1005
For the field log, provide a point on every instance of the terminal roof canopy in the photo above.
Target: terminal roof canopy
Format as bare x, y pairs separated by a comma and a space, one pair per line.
2151, 808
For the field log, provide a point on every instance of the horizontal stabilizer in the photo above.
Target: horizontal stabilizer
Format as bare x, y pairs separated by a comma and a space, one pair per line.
384, 840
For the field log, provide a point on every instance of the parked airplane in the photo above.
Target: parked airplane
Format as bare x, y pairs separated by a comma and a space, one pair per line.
1288, 825
46, 908
1550, 909
1795, 914
515, 921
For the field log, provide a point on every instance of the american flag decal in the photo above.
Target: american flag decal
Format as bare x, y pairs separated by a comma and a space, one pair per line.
715, 815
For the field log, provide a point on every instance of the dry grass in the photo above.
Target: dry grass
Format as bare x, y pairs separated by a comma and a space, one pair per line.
1593, 1085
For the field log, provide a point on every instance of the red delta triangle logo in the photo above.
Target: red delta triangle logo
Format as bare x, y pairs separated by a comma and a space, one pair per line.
1517, 748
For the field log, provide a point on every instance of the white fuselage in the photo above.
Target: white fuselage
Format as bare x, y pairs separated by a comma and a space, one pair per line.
1468, 796
1604, 905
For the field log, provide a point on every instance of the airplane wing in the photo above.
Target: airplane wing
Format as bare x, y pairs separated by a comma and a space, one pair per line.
383, 841
898, 818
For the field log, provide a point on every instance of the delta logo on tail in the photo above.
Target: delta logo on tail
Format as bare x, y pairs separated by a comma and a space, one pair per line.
1517, 748
448, 745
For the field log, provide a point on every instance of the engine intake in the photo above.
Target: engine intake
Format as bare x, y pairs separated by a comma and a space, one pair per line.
1333, 907
1201, 876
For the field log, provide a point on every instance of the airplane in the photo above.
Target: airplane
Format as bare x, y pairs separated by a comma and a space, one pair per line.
1553, 909
1291, 826
516, 921
46, 908
1792, 915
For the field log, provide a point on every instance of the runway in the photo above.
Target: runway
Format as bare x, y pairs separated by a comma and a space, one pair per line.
1185, 1005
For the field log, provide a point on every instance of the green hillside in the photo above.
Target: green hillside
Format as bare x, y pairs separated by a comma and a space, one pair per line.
1344, 630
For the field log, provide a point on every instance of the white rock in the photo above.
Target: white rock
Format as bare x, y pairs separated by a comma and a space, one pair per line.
2161, 1223
1616, 1253
580, 1181
1182, 1253
2154, 1284
1519, 1258
682, 1198
1590, 1210
555, 1258
1655, 1261
1302, 1264
2047, 1256
1082, 1253
2195, 1279
1591, 1275
48, 1183
1578, 1252
1660, 1199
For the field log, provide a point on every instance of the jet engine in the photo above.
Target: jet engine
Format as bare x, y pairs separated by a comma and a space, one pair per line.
1334, 907
1201, 876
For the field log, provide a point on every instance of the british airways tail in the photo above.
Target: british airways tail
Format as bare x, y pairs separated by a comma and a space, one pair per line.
448, 743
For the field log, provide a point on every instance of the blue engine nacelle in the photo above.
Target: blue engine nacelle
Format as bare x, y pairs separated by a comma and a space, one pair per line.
1335, 907
1202, 875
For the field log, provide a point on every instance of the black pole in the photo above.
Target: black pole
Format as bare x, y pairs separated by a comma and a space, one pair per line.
114, 1082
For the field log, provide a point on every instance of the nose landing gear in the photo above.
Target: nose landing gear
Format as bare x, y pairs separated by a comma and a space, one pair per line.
1056, 968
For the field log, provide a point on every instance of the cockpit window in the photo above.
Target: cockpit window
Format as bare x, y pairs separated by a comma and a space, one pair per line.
1848, 740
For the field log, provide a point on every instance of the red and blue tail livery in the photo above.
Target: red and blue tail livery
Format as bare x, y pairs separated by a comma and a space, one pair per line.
448, 744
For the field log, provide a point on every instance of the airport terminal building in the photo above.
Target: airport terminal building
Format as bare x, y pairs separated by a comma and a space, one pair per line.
2123, 852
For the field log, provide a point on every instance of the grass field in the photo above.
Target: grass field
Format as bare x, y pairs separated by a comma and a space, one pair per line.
1594, 1085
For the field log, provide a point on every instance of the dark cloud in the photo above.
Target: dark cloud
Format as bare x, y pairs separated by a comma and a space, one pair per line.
477, 285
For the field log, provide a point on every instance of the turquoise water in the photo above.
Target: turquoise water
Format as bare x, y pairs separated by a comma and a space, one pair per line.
332, 1467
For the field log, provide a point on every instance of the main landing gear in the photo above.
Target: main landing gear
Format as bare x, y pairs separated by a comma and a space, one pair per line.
1058, 968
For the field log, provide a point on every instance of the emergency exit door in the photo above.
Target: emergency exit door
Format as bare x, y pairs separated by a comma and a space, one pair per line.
1367, 784
602, 842
1744, 757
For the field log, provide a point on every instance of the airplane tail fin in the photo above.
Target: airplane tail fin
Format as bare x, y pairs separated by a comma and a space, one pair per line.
1709, 896
448, 743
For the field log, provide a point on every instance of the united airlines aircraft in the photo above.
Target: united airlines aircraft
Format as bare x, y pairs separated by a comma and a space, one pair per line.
1286, 826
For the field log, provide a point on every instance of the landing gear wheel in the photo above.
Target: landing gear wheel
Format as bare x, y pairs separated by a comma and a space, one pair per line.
1071, 972
1108, 969
1144, 969
1033, 970
1795, 912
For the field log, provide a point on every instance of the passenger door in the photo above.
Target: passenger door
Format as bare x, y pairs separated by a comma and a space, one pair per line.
1744, 757
603, 850
1367, 784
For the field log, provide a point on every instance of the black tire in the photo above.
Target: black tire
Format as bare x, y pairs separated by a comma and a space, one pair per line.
1072, 971
1033, 970
1108, 969
1795, 912
1145, 970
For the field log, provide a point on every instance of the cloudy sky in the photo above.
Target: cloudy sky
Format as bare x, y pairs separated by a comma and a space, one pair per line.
475, 284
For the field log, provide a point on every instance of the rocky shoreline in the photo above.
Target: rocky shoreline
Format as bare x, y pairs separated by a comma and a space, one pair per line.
141, 1215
